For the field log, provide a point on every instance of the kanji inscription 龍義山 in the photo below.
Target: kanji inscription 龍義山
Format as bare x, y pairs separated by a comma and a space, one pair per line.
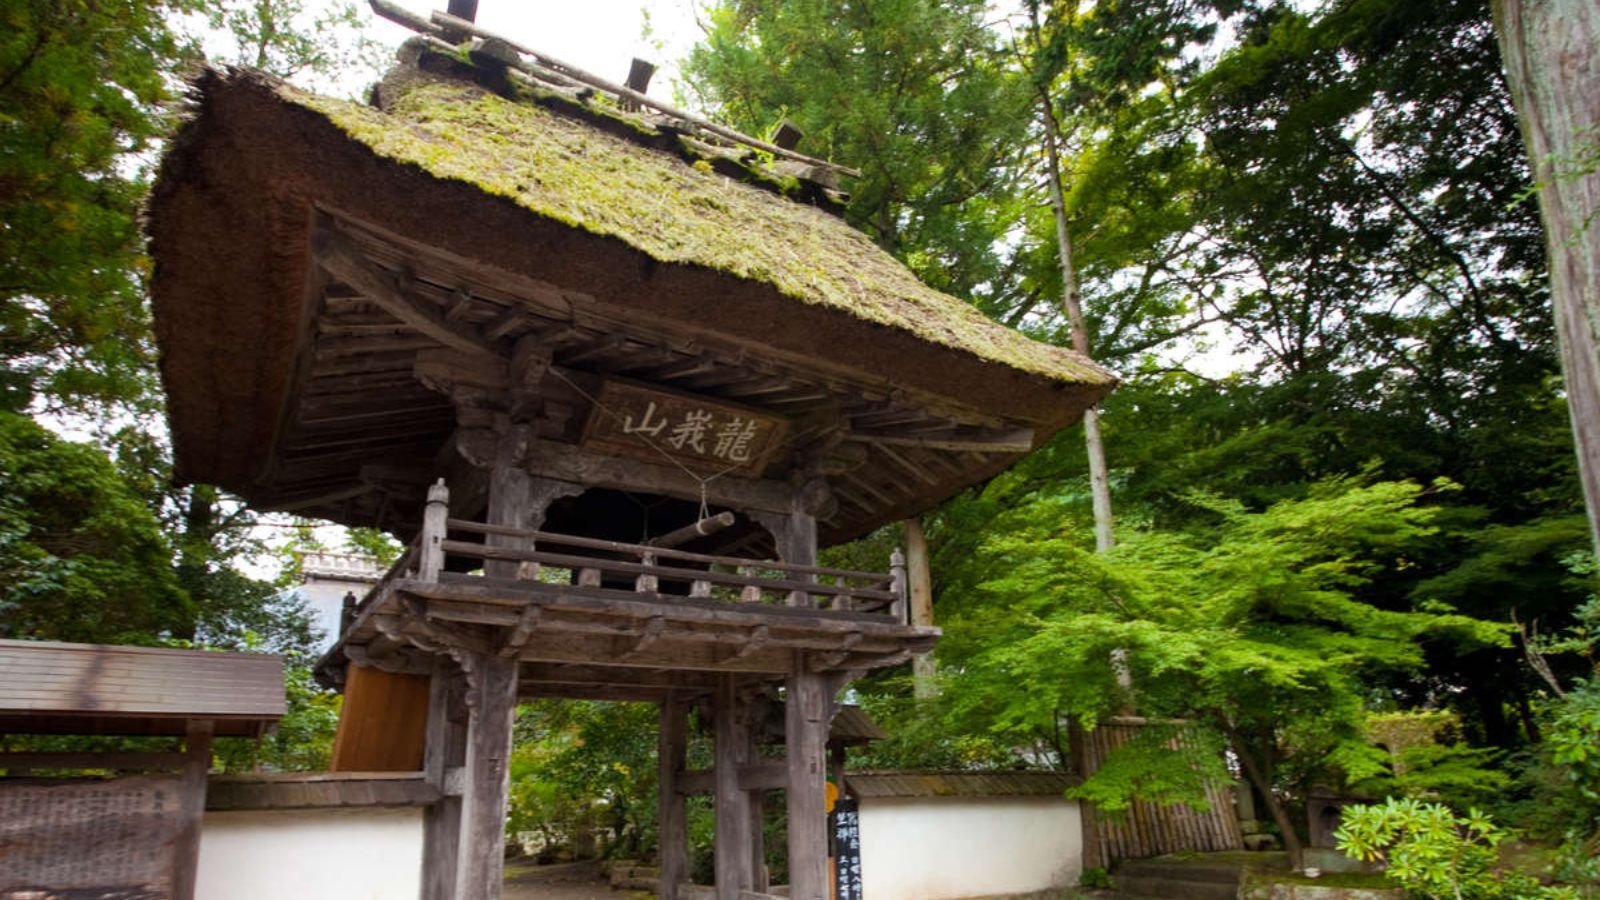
706, 435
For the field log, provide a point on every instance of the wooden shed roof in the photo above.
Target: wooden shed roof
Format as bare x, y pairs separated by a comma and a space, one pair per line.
48, 687
527, 213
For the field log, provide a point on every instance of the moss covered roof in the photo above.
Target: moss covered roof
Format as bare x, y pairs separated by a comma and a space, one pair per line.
674, 211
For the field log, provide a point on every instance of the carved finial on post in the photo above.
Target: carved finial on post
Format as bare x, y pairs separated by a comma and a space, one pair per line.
431, 541
897, 583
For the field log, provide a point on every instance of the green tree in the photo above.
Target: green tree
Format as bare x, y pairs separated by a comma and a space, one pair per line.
1251, 626
81, 88
912, 92
82, 558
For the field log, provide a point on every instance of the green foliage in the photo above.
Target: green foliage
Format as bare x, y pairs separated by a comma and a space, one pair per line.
583, 774
1250, 624
81, 556
1434, 853
80, 86
303, 739
912, 92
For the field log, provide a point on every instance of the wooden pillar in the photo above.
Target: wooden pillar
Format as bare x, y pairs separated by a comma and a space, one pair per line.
920, 585
795, 535
492, 699
732, 752
445, 749
672, 757
806, 716
186, 852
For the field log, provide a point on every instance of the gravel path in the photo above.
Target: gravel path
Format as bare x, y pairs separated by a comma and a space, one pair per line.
573, 881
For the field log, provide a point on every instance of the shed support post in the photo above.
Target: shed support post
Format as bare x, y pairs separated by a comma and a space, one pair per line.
732, 843
806, 714
186, 853
492, 699
673, 826
446, 748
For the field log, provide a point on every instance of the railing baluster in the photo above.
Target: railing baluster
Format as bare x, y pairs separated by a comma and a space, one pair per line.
588, 577
751, 593
431, 541
897, 572
646, 583
841, 600
700, 588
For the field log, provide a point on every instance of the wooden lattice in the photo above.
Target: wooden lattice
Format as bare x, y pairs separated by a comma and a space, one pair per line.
111, 839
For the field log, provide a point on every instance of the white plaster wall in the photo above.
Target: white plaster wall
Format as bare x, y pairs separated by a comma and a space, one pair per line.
319, 854
945, 848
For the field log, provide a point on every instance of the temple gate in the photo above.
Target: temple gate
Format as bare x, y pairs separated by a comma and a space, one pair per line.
613, 373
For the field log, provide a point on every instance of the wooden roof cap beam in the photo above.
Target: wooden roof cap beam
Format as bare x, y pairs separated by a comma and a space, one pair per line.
446, 26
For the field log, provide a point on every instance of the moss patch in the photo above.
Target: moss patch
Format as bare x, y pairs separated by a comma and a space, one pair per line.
674, 212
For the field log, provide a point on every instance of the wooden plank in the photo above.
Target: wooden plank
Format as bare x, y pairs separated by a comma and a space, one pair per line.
481, 857
673, 822
806, 715
731, 751
130, 761
383, 722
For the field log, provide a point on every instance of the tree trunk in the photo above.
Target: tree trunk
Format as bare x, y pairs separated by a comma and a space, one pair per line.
1551, 52
1259, 773
1072, 306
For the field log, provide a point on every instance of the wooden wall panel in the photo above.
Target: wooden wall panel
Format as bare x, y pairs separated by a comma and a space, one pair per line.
384, 723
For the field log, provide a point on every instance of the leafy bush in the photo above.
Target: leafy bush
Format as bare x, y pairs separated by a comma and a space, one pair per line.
1434, 853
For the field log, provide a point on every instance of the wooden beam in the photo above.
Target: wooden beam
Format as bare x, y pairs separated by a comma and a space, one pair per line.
134, 761
672, 828
574, 464
1019, 440
340, 258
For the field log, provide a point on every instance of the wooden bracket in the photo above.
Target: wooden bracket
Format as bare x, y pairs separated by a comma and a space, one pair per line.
344, 261
519, 633
831, 658
648, 635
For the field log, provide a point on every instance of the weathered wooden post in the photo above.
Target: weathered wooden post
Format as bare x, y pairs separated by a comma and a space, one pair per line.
445, 749
806, 715
732, 749
430, 545
673, 824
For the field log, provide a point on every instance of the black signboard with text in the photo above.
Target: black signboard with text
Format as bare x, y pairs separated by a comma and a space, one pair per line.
844, 827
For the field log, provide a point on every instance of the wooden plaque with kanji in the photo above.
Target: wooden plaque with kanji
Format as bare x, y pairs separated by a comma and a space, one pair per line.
647, 424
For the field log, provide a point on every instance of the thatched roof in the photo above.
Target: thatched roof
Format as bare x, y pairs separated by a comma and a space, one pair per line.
605, 209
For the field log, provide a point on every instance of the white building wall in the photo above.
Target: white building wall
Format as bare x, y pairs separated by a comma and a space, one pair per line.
944, 848
319, 854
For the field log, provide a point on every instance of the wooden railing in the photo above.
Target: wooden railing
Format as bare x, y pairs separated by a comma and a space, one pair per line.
551, 558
